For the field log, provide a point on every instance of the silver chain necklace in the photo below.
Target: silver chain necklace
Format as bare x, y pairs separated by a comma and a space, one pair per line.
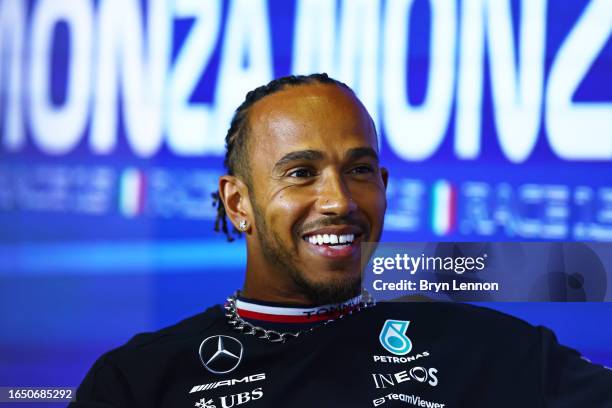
241, 325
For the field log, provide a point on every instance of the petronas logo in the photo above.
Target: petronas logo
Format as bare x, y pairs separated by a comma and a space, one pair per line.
393, 337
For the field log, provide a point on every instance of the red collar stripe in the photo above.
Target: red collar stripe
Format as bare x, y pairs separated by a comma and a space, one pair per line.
279, 314
247, 314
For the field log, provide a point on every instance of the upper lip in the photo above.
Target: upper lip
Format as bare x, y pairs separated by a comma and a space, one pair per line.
336, 230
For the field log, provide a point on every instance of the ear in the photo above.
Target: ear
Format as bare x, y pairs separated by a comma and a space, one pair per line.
235, 196
385, 176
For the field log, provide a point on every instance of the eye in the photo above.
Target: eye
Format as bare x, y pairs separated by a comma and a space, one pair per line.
301, 173
362, 169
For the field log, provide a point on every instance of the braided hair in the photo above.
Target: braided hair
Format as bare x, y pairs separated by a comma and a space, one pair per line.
236, 152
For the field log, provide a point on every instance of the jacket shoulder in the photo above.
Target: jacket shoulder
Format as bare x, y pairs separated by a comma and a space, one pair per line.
181, 332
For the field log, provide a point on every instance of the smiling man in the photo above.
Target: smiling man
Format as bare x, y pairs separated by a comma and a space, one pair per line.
306, 188
305, 182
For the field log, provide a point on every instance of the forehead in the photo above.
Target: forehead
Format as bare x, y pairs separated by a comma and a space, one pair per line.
313, 116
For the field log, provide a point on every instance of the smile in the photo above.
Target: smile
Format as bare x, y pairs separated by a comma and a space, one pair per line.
331, 239
335, 246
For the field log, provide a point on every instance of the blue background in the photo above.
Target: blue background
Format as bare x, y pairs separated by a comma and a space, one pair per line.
75, 281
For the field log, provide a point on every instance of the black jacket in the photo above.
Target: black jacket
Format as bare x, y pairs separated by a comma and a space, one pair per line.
460, 356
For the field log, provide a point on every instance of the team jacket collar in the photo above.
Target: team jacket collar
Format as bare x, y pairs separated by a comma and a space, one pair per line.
270, 312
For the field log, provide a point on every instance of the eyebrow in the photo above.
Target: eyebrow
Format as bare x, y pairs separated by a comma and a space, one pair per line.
359, 152
316, 155
305, 155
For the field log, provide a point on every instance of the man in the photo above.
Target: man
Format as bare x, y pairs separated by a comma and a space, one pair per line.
305, 187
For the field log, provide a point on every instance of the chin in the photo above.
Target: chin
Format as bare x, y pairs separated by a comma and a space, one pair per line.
332, 289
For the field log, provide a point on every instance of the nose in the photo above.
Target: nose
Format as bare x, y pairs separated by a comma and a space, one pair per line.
335, 197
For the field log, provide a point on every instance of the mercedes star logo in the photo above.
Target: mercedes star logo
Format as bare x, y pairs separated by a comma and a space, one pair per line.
221, 354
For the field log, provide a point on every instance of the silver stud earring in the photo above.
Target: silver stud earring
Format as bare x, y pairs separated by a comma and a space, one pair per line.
243, 225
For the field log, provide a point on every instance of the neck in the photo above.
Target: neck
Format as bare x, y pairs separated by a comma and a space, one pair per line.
258, 290
266, 283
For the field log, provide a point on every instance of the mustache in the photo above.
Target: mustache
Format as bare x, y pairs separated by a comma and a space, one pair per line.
335, 220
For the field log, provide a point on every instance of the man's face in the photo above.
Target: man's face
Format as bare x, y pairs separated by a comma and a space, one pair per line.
318, 190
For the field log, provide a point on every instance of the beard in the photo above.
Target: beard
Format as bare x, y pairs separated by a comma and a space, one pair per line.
335, 290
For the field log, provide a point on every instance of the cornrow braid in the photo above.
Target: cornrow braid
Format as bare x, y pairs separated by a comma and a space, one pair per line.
236, 155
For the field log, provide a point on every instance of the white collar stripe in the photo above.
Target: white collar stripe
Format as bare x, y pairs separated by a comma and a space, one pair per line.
295, 311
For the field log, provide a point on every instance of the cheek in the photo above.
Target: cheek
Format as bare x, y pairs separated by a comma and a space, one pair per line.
373, 202
377, 208
285, 210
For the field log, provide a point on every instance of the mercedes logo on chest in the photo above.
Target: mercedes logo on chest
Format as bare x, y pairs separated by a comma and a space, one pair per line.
221, 354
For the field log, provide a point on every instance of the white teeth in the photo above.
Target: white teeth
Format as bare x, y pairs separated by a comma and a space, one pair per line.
347, 238
321, 239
